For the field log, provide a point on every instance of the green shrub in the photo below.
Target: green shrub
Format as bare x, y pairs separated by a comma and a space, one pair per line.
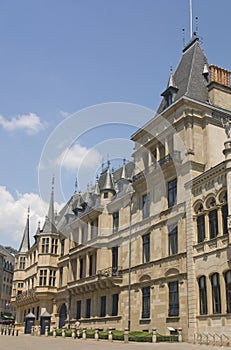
140, 336
90, 333
166, 338
103, 334
118, 335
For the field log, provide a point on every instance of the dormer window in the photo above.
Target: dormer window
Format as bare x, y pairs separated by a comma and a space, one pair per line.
169, 99
105, 195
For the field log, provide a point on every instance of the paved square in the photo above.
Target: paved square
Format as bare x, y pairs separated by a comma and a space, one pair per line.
28, 342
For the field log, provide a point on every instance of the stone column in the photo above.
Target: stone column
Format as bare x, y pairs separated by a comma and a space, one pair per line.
206, 225
219, 219
126, 335
96, 334
154, 335
180, 335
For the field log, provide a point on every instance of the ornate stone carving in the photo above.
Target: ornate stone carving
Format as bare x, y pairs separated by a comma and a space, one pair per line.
226, 122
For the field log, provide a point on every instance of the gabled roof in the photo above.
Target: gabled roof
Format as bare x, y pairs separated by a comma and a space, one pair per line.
188, 76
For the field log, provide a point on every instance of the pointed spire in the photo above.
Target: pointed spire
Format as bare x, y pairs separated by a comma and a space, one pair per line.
49, 225
25, 244
171, 82
97, 190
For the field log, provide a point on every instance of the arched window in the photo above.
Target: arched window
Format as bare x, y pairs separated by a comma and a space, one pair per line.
228, 291
216, 294
203, 295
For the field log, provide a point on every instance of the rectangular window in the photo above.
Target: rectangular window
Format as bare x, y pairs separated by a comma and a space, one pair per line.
62, 247
146, 248
224, 211
60, 276
114, 260
88, 308
146, 302
172, 192
90, 265
45, 245
103, 306
115, 221
200, 228
216, 294
146, 205
54, 246
173, 299
82, 267
94, 229
22, 263
202, 295
172, 239
115, 303
43, 278
78, 309
52, 278
213, 223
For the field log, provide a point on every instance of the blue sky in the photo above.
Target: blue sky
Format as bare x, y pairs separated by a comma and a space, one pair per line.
60, 57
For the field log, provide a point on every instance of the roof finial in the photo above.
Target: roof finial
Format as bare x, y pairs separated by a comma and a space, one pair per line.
53, 182
28, 211
196, 25
76, 184
183, 36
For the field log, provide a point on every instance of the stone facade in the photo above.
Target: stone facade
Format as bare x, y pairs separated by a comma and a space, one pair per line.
148, 246
7, 312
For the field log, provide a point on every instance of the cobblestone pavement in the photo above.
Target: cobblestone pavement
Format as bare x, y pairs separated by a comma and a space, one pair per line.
28, 342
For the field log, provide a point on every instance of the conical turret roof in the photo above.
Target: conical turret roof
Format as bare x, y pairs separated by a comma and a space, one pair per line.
25, 244
188, 78
49, 224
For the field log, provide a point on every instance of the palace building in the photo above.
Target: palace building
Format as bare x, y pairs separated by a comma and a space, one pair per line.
148, 246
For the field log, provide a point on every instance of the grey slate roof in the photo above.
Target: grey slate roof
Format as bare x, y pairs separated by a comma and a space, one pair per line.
188, 76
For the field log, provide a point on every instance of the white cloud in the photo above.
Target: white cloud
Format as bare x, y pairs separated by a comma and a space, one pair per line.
64, 114
79, 156
13, 214
31, 123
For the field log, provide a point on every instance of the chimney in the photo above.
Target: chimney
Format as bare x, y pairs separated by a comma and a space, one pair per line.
219, 75
219, 88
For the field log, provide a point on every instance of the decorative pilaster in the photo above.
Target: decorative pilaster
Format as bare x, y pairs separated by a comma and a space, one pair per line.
227, 153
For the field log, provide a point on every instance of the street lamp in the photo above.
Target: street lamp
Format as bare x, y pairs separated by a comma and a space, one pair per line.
129, 261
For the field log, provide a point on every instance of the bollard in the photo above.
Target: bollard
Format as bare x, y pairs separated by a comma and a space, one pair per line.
8, 331
32, 330
54, 332
46, 331
16, 333
126, 335
84, 334
154, 335
96, 334
39, 330
180, 335
110, 337
73, 332
12, 331
78, 333
5, 331
63, 332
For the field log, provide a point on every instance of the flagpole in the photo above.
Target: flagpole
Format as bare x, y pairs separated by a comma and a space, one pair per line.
191, 19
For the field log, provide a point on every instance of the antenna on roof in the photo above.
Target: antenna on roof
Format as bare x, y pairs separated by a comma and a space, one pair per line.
191, 19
